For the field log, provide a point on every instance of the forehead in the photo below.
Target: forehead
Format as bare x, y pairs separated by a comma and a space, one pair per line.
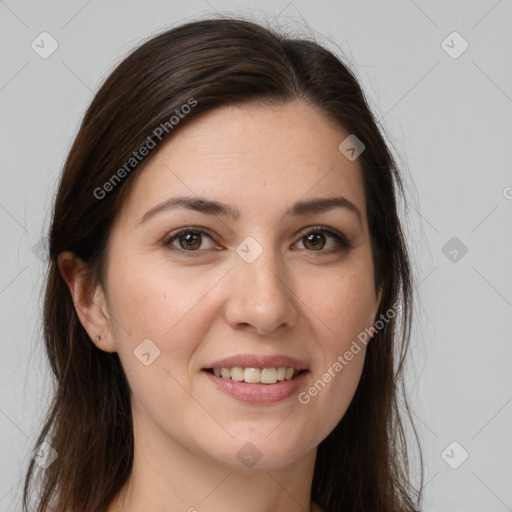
257, 158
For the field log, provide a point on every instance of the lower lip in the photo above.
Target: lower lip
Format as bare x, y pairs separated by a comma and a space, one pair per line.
258, 393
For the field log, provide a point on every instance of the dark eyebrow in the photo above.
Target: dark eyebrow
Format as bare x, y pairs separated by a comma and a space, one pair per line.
208, 207
198, 204
323, 204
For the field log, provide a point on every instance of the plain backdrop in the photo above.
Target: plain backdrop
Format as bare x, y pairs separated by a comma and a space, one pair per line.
438, 76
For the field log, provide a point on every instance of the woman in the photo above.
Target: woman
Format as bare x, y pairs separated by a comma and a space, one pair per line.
226, 269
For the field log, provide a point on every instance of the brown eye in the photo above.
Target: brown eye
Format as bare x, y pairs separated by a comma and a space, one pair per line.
188, 240
318, 238
314, 241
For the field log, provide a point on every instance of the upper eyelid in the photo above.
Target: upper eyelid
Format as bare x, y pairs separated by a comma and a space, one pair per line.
332, 232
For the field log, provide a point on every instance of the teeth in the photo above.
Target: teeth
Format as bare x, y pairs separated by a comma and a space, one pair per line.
252, 375
269, 376
237, 374
256, 375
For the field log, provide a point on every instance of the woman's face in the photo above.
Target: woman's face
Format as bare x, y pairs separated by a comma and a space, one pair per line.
268, 288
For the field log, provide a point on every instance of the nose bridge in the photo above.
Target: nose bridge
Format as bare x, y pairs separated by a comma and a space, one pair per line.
265, 275
261, 297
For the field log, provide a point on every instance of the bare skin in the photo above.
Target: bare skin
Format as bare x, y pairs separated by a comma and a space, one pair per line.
302, 297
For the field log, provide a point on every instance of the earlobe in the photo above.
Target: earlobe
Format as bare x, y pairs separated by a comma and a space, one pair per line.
89, 301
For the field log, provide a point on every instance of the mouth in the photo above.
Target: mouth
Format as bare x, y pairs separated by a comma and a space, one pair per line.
252, 375
257, 379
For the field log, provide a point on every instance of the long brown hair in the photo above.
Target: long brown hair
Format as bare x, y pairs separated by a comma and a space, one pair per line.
362, 465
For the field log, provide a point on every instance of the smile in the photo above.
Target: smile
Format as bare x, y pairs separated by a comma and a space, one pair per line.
253, 375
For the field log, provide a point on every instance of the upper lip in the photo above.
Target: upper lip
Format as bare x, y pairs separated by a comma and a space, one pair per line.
258, 361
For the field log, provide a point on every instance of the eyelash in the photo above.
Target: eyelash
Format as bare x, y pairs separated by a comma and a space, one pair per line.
343, 243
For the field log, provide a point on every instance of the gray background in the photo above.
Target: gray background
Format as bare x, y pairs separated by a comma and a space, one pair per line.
448, 120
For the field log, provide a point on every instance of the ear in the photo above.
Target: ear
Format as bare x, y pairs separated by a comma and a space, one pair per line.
90, 302
378, 298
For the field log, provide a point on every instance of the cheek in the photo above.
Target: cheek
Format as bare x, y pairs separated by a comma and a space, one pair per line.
155, 301
348, 307
152, 302
152, 297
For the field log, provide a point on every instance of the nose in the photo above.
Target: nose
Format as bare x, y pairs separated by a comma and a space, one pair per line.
261, 299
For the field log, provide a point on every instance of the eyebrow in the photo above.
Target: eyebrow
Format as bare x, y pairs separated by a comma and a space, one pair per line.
208, 207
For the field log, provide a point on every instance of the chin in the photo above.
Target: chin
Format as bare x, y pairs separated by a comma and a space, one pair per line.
258, 452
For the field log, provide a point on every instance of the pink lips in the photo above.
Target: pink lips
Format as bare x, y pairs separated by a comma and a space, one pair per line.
258, 393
